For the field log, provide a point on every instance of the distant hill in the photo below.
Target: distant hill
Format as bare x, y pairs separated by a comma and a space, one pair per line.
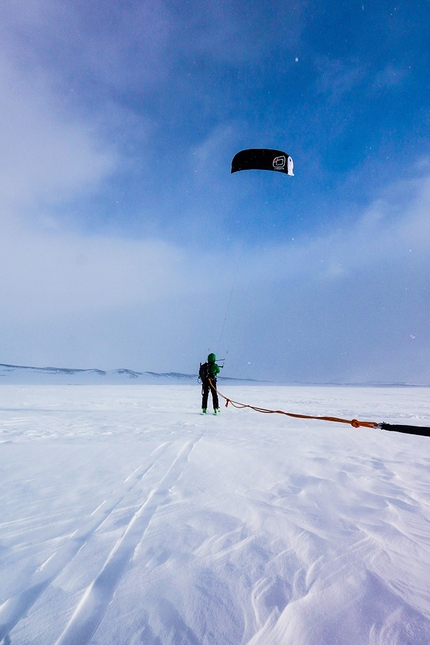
76, 376
65, 375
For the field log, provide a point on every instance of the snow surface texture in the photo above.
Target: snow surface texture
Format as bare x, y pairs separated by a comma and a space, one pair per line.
128, 518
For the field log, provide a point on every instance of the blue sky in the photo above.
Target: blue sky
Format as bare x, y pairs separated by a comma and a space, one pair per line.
126, 242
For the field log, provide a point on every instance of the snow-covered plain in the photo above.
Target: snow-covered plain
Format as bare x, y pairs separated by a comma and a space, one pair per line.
128, 518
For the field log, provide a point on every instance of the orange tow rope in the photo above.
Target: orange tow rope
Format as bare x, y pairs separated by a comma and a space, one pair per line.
353, 422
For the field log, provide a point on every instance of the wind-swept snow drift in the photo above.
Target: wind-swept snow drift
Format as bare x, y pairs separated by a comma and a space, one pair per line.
128, 518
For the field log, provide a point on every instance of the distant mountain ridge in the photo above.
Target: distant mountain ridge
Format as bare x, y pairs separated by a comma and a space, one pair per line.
93, 376
29, 374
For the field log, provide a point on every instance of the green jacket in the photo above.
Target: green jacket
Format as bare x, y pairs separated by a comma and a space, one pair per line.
213, 369
209, 369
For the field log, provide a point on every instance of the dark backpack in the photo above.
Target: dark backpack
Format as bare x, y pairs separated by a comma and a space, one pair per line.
204, 373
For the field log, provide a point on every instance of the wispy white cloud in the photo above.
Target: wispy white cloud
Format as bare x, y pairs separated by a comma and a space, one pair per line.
338, 77
90, 43
46, 276
347, 306
390, 76
44, 157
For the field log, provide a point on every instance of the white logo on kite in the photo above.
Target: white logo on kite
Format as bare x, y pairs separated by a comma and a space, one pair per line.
279, 163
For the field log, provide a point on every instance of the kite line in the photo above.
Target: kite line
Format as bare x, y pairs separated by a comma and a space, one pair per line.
355, 423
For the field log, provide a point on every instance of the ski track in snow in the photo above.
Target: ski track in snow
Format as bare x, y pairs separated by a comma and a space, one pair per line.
96, 598
230, 530
17, 606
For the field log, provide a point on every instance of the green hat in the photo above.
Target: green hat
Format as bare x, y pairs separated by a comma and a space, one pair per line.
211, 358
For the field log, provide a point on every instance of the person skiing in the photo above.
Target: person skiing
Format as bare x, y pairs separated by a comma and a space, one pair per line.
207, 374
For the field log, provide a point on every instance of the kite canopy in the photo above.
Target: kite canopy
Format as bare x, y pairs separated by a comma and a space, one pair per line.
263, 159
